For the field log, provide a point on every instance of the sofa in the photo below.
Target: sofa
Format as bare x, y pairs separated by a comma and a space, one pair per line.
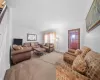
34, 45
19, 53
86, 66
23, 52
72, 54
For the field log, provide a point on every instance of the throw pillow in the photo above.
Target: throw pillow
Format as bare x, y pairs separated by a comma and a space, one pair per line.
77, 52
32, 44
16, 47
21, 47
79, 64
26, 44
85, 50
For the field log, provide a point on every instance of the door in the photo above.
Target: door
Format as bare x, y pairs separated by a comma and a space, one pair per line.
74, 39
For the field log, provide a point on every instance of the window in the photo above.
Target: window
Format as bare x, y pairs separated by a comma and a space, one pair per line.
52, 37
46, 38
49, 37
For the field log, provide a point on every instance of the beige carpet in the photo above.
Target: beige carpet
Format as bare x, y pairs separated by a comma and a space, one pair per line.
42, 68
51, 57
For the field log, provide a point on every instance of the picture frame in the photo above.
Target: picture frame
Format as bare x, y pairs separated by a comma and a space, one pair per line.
93, 17
31, 37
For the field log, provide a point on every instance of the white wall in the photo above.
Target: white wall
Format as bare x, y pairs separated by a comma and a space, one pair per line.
62, 34
5, 41
61, 16
92, 38
21, 32
39, 15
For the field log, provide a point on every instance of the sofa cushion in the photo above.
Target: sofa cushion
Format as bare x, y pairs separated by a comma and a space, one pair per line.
71, 50
25, 49
77, 52
16, 47
93, 61
71, 53
35, 44
27, 44
79, 64
85, 50
21, 47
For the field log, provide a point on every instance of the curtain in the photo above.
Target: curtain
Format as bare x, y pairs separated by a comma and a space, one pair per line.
50, 37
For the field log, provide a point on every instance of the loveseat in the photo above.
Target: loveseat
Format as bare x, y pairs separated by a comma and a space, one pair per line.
86, 66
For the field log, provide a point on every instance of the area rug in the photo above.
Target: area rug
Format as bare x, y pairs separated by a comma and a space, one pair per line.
52, 57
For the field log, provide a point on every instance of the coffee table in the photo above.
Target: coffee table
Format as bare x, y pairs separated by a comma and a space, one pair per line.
39, 51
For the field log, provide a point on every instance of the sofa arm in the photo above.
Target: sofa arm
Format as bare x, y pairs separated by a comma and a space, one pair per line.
68, 58
71, 50
41, 45
20, 57
71, 53
66, 73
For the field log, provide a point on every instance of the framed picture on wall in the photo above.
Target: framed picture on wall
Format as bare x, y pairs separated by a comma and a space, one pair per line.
93, 17
31, 37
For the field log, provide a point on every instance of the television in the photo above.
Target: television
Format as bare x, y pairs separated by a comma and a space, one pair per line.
18, 41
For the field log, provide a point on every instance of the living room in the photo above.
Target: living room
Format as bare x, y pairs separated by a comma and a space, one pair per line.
31, 21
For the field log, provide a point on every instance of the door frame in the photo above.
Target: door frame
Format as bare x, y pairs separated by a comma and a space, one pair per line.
78, 36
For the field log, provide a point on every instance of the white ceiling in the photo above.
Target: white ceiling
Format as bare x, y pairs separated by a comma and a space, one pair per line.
45, 14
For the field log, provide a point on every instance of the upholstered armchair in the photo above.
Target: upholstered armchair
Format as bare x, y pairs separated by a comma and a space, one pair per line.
49, 47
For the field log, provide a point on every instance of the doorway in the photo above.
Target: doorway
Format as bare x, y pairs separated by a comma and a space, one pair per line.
74, 39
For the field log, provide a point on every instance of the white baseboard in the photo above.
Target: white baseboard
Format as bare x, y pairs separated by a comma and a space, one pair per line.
59, 52
1, 78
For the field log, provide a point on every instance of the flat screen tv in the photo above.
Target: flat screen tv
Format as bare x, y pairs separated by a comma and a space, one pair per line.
18, 41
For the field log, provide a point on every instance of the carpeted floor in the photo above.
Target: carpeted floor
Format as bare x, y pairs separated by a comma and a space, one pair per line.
51, 58
41, 68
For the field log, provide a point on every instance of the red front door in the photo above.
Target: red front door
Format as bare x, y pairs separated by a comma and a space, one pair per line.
74, 39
